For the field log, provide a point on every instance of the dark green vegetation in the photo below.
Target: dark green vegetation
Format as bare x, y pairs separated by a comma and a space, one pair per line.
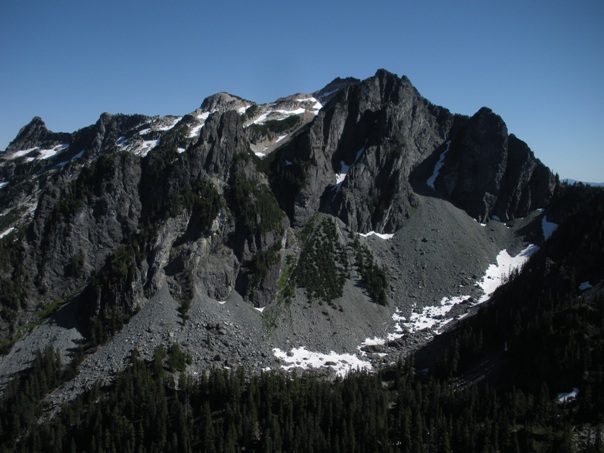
262, 262
323, 263
151, 407
372, 275
12, 298
255, 206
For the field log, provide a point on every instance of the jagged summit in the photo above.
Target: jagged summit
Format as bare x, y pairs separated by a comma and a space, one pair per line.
327, 93
35, 134
222, 102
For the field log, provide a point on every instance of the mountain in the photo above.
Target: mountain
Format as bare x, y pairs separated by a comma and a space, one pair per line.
339, 229
594, 184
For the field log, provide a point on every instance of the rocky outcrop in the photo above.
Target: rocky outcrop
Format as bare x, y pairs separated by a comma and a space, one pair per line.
358, 158
489, 172
355, 159
35, 134
105, 134
78, 224
222, 102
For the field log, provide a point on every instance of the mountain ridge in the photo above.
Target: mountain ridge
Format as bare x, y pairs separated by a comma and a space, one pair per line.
259, 207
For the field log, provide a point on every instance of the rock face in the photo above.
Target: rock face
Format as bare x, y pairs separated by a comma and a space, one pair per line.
355, 159
35, 134
77, 225
132, 205
488, 172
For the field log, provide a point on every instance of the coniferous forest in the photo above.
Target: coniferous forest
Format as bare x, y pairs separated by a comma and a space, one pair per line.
489, 385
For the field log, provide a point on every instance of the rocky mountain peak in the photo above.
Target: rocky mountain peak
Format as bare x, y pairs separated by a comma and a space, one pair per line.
35, 134
326, 93
222, 102
489, 172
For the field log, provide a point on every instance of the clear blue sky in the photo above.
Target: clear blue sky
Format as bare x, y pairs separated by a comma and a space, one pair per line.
538, 64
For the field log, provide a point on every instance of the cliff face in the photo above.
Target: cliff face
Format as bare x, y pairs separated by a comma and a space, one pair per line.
356, 159
119, 209
488, 172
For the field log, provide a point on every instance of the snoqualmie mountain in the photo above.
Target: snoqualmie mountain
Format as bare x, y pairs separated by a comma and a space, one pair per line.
334, 231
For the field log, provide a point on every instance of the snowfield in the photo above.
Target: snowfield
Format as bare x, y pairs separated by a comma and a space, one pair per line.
584, 286
441, 160
43, 153
569, 396
342, 364
548, 228
344, 169
6, 232
498, 273
384, 236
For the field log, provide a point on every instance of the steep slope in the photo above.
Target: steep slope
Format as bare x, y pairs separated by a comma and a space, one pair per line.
545, 326
137, 226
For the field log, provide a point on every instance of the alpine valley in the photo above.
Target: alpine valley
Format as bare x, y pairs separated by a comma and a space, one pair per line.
354, 269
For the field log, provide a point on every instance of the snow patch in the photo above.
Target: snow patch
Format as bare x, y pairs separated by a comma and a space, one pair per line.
281, 137
433, 317
202, 117
3, 184
340, 177
48, 153
6, 232
439, 165
344, 168
584, 286
22, 152
384, 236
569, 396
77, 156
497, 273
169, 126
242, 110
360, 152
398, 328
375, 341
300, 357
147, 146
194, 132
316, 104
259, 309
548, 228
43, 153
287, 113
